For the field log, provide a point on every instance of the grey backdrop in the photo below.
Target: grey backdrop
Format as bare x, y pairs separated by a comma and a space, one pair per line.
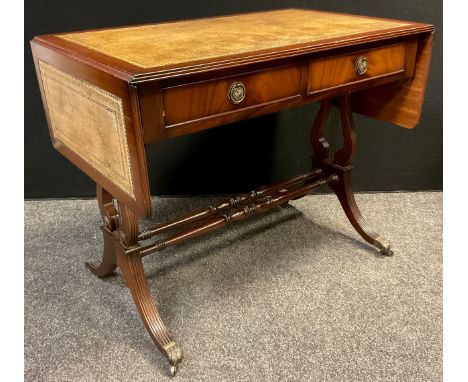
240, 156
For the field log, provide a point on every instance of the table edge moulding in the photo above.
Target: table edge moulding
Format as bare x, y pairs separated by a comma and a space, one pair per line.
108, 93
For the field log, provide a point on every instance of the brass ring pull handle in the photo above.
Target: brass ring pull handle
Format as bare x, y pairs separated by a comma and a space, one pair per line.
361, 66
237, 92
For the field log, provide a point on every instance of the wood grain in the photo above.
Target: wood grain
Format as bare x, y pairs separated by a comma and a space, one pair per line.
340, 70
401, 102
188, 107
209, 98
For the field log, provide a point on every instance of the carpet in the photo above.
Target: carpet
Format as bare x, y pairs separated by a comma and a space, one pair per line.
293, 295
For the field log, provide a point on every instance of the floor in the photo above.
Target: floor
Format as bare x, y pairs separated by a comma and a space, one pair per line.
295, 295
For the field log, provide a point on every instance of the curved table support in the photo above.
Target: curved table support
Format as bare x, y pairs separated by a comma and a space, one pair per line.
345, 194
107, 266
340, 164
120, 229
109, 216
132, 269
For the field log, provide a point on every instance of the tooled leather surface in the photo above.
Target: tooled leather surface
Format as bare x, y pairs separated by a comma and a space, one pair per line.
179, 42
89, 121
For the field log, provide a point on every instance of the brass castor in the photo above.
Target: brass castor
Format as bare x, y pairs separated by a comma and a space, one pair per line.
174, 369
386, 252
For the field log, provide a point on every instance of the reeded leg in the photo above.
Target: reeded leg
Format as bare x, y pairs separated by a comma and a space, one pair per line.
120, 229
340, 164
132, 269
345, 195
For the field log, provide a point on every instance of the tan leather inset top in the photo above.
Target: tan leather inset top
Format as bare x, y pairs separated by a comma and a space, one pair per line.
158, 45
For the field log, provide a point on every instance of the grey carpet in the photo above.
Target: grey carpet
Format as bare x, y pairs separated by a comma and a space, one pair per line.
294, 295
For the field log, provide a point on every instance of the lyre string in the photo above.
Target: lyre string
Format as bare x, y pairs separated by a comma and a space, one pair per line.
334, 120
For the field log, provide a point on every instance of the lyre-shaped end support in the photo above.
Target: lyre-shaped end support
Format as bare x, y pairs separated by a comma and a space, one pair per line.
120, 229
341, 165
109, 216
108, 265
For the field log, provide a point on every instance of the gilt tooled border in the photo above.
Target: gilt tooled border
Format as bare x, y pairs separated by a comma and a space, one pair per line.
118, 113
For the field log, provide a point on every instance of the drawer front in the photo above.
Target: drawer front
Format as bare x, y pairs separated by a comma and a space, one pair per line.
342, 70
211, 98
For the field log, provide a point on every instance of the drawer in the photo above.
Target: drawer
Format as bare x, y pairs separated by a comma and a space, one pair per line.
207, 99
360, 66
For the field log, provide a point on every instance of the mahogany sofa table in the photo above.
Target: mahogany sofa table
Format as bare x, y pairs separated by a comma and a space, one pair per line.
109, 93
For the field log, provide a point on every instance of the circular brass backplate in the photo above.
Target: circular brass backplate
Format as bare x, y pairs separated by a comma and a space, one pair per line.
237, 92
361, 66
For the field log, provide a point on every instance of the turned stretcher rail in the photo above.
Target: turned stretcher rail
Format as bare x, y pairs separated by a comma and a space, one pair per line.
195, 216
211, 224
